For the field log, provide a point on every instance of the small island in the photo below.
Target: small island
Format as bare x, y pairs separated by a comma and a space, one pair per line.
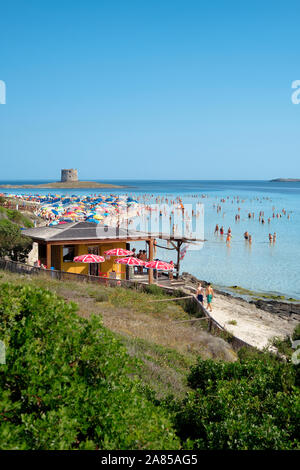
69, 180
285, 180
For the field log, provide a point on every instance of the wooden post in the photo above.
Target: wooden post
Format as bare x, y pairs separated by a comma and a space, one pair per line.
179, 243
48, 261
150, 271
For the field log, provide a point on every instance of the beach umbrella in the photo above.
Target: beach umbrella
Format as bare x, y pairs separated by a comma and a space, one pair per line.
118, 252
94, 221
89, 258
159, 265
131, 261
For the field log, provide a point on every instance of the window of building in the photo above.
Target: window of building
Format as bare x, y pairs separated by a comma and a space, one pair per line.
68, 253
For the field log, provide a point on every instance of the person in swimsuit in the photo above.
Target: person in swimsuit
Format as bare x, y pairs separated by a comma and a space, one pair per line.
222, 231
209, 296
246, 235
199, 293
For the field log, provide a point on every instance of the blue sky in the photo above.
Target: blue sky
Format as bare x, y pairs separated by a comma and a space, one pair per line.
158, 89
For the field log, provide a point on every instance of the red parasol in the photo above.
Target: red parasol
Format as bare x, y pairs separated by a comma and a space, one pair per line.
131, 261
159, 265
118, 252
89, 259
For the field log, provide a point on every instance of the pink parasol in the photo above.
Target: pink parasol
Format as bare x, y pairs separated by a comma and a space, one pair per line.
159, 265
118, 252
131, 261
89, 259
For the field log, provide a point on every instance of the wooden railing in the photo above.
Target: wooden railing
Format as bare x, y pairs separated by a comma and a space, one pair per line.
22, 268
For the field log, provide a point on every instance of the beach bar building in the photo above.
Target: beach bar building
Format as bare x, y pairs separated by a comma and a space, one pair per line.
58, 245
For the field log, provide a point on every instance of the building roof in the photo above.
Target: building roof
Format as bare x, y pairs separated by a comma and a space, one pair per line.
82, 231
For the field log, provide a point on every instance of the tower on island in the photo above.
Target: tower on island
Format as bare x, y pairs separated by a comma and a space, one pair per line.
69, 175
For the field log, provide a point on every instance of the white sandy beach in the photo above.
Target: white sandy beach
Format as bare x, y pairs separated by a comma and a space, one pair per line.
253, 325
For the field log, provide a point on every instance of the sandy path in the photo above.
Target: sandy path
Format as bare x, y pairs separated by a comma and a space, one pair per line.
255, 326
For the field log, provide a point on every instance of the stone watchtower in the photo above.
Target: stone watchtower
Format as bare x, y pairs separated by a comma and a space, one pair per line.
69, 175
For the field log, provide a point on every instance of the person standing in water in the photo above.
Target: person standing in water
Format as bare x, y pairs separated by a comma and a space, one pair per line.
209, 296
228, 238
199, 293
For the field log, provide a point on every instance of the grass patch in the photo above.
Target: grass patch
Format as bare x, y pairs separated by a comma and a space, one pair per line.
15, 216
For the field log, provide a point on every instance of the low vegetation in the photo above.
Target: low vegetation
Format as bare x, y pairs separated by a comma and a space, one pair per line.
66, 384
118, 372
250, 404
16, 217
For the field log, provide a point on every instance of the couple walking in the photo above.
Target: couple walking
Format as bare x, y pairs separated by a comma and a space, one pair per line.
208, 292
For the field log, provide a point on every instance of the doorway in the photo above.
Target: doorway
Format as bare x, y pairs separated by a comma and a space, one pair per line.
93, 267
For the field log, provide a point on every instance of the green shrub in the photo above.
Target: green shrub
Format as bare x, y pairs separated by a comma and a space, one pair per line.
296, 333
253, 403
154, 289
66, 382
12, 243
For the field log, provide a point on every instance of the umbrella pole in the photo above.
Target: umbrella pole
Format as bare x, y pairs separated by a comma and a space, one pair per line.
150, 271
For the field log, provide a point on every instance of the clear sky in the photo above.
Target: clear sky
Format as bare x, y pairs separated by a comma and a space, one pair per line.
160, 89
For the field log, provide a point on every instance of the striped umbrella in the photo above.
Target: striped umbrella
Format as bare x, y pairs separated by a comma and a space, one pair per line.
131, 261
159, 265
118, 252
89, 259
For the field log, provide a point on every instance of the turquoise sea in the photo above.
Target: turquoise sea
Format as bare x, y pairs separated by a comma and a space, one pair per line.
261, 266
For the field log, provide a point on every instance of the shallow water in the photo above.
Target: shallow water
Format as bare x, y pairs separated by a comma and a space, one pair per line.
261, 266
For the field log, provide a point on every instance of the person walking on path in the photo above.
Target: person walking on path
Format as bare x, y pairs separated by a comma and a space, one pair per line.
209, 296
199, 293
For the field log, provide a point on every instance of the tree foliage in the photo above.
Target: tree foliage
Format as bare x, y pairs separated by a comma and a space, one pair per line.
12, 243
66, 383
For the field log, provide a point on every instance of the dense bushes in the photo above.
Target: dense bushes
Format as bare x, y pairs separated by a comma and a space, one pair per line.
12, 243
66, 384
253, 403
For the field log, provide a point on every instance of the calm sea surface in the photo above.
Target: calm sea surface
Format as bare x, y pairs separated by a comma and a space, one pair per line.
261, 266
